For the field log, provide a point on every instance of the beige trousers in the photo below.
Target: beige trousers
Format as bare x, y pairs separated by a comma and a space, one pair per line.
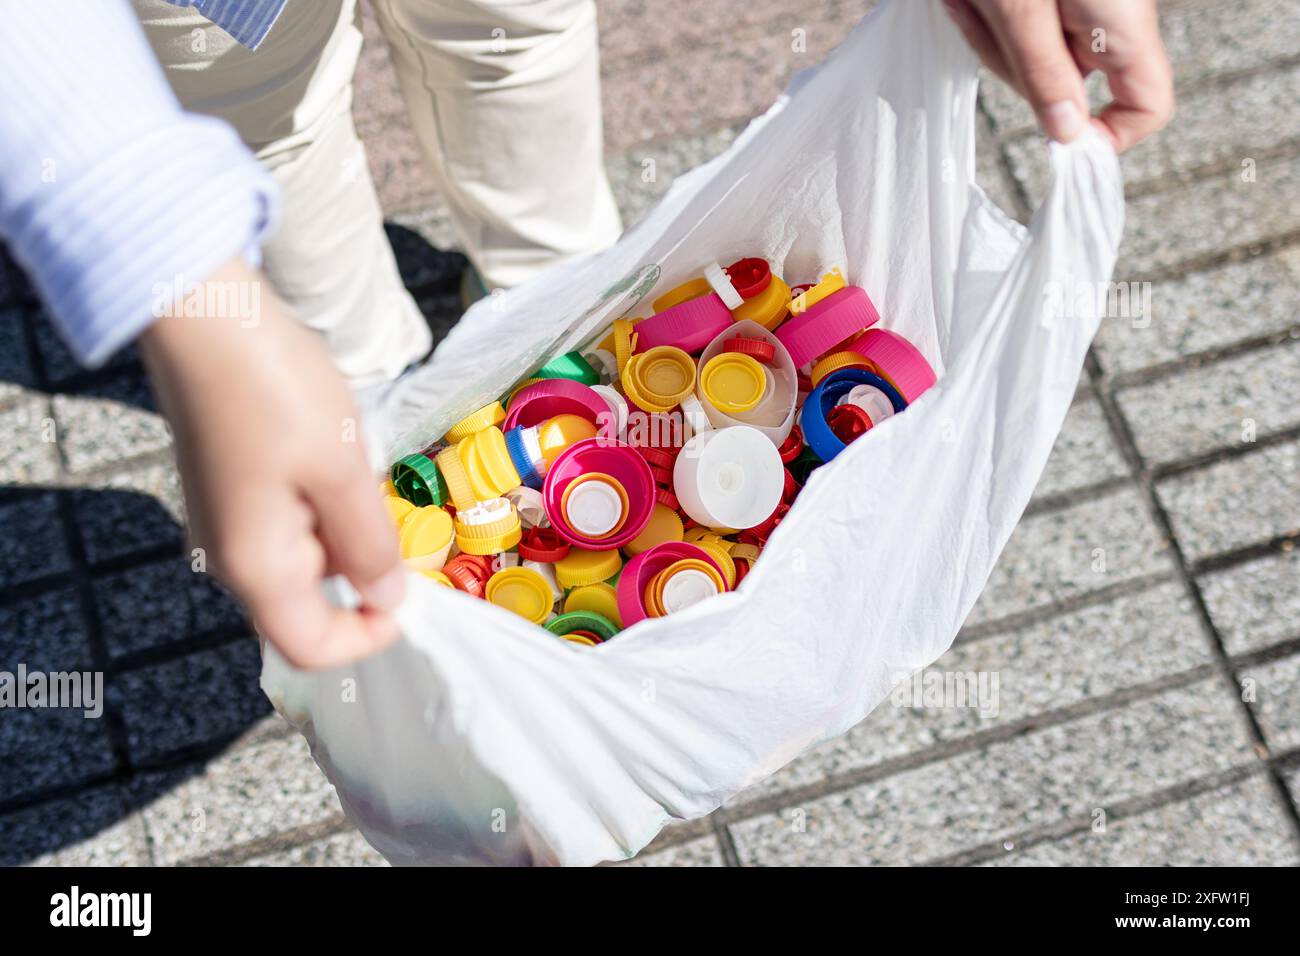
504, 99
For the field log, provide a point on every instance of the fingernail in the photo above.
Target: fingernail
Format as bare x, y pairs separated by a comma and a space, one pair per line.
386, 593
1063, 121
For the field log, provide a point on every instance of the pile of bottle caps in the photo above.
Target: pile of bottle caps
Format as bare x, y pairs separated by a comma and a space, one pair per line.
645, 473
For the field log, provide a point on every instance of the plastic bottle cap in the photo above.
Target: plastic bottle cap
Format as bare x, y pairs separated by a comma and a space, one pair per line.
760, 349
426, 531
465, 575
547, 571
689, 325
521, 590
417, 479
581, 638
821, 327
750, 276
831, 283
792, 445
556, 434
684, 583
487, 527
622, 335
549, 397
543, 545
822, 441
682, 293
398, 509
720, 556
720, 283
617, 408
871, 400
581, 566
694, 418
834, 362
604, 362
848, 422
743, 551
594, 505
657, 457
600, 598
438, 578
457, 480
588, 622
509, 400
768, 307
665, 525
666, 498
526, 455
734, 383
729, 477
571, 365
529, 506
485, 417
659, 379
487, 463
896, 360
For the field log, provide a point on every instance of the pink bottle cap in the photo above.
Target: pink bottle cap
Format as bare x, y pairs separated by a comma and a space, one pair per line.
897, 360
827, 323
638, 573
689, 325
556, 396
620, 462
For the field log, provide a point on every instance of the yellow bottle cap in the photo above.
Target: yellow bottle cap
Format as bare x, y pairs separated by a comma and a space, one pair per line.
599, 597
388, 489
622, 342
488, 527
398, 509
659, 378
438, 578
665, 525
719, 554
488, 464
733, 382
580, 567
457, 479
556, 434
741, 550
834, 362
521, 590
519, 388
573, 637
769, 308
425, 531
831, 283
682, 293
485, 417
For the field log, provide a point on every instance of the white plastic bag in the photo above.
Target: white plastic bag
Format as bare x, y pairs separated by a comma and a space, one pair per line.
479, 738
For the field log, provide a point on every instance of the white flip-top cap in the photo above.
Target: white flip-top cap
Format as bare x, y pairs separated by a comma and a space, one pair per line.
694, 417
686, 587
871, 400
721, 283
593, 508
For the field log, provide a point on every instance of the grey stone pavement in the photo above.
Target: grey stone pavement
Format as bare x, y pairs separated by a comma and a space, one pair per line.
1144, 621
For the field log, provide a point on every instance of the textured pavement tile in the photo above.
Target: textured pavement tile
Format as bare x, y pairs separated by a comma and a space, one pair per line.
1046, 666
1255, 604
241, 796
16, 374
26, 458
118, 421
1218, 405
45, 632
160, 603
1236, 502
1207, 310
341, 849
33, 544
91, 829
51, 747
1238, 825
1222, 125
1084, 454
130, 511
201, 699
703, 851
1219, 211
1061, 554
1203, 39
1277, 703
977, 798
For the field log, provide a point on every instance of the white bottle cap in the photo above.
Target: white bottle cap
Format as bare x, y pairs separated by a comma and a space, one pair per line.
593, 508
617, 406
694, 417
530, 505
686, 587
871, 400
533, 448
729, 477
721, 283
485, 512
604, 363
547, 571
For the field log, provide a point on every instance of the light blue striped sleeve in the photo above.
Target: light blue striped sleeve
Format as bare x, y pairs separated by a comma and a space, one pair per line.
110, 194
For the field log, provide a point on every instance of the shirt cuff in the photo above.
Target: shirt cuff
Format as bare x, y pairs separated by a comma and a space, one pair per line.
108, 250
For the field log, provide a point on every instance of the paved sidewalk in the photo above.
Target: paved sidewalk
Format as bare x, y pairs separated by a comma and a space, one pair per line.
1142, 621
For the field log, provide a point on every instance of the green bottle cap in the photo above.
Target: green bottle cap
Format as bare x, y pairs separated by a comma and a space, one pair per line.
571, 366
598, 624
802, 466
418, 480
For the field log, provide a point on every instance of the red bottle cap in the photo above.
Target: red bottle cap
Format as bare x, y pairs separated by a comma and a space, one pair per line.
662, 476
749, 276
544, 545
760, 350
668, 499
742, 568
791, 488
658, 457
792, 446
848, 422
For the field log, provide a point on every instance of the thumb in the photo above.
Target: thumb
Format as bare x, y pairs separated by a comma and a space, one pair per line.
1033, 41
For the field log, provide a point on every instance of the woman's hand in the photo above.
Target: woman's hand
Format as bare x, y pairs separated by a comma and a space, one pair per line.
1044, 48
276, 483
